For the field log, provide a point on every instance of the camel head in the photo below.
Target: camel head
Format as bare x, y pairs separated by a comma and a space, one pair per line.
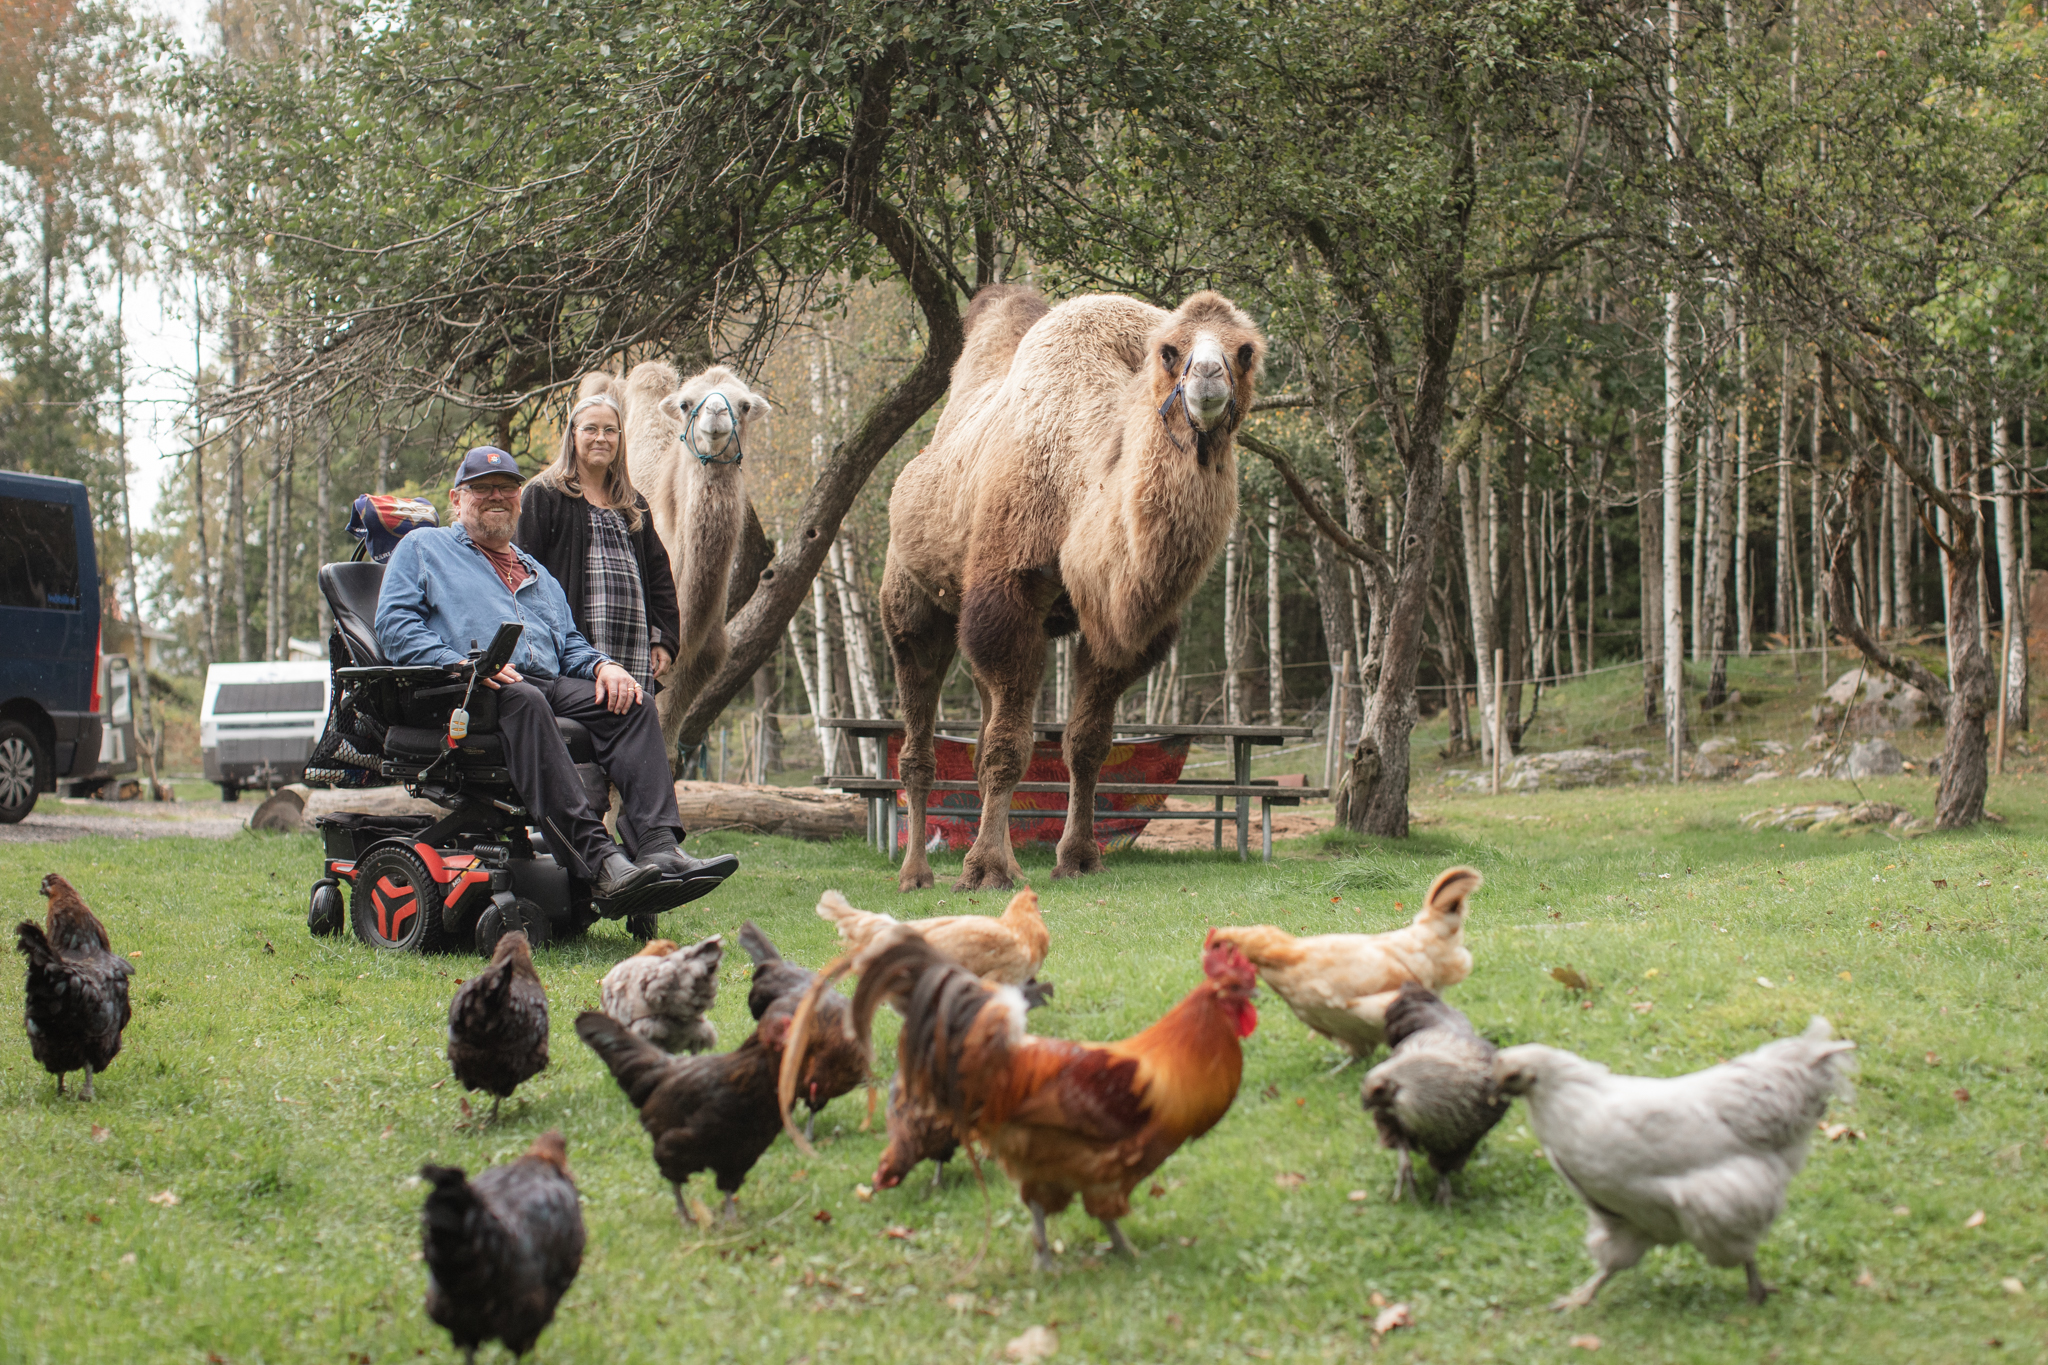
1210, 352
716, 410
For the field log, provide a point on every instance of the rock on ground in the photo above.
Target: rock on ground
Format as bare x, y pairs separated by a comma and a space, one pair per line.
1877, 704
1567, 768
1837, 816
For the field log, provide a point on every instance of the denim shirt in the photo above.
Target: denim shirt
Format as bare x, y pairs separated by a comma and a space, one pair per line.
440, 593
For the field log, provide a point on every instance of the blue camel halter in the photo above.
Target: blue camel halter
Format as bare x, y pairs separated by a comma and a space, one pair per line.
689, 433
1202, 438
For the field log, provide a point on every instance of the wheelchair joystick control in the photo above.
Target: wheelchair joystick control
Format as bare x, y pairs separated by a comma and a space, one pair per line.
458, 723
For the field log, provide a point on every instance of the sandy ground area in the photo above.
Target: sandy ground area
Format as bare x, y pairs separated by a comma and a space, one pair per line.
56, 821
1289, 822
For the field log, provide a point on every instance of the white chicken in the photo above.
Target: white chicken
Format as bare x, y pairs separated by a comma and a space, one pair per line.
1703, 1158
663, 992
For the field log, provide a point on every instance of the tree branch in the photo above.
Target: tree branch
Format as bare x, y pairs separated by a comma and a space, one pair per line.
1375, 561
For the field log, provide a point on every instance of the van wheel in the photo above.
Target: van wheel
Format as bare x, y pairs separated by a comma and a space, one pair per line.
395, 902
21, 771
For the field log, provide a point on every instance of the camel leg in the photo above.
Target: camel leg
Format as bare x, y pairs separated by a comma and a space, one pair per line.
1002, 632
921, 643
981, 692
1097, 687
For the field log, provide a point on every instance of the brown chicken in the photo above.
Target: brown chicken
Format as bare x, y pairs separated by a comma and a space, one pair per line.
502, 1249
917, 1132
1063, 1118
833, 1062
1007, 949
498, 1023
715, 1112
1341, 984
77, 988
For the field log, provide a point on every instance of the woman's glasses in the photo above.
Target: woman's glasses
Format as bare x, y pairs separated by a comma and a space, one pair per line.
593, 433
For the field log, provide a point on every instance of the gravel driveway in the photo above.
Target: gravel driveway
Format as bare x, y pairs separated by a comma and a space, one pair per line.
56, 821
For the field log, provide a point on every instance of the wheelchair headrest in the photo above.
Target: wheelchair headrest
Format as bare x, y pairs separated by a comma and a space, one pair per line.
351, 590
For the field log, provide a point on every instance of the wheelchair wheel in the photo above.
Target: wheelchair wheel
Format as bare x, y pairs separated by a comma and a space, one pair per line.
323, 909
396, 904
493, 925
644, 927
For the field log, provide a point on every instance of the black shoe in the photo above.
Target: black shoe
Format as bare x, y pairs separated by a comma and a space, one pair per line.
621, 876
677, 865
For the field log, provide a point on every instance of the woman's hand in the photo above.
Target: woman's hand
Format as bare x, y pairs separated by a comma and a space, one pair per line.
661, 659
616, 690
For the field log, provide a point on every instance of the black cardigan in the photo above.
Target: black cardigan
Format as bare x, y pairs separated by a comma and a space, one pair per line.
554, 527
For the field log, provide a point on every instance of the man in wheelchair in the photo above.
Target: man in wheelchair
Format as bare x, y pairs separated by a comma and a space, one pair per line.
446, 588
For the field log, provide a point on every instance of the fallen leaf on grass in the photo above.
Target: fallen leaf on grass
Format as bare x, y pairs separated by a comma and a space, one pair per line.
699, 1213
1975, 1220
1390, 1317
136, 953
1585, 1342
1984, 883
898, 1232
1377, 1299
438, 1084
1036, 1343
1866, 1281
822, 1217
1941, 883
1570, 979
2012, 1284
1845, 976
1933, 1060
1271, 1092
267, 948
1357, 1196
166, 1198
1835, 1132
1962, 1095
1158, 1191
960, 1303
1290, 1180
864, 1193
1901, 1211
100, 1134
1651, 975
1643, 1006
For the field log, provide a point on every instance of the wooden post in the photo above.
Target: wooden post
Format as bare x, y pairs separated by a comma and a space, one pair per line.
1499, 726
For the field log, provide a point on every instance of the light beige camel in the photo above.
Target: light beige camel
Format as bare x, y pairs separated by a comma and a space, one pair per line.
684, 442
1081, 478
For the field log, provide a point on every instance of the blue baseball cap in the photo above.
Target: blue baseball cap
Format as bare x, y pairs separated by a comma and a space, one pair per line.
487, 460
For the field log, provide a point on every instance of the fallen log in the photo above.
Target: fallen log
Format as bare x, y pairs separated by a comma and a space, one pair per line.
796, 812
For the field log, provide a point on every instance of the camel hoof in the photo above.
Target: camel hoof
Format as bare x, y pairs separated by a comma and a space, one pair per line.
976, 879
918, 879
1064, 869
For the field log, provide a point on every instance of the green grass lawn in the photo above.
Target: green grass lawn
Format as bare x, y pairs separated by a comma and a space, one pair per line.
286, 1090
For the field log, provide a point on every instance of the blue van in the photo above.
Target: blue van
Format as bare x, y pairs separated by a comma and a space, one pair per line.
50, 620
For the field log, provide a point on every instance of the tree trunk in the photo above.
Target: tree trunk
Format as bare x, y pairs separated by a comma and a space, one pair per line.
767, 726
1785, 609
235, 539
1515, 607
1479, 605
1720, 528
1650, 536
1673, 493
1276, 682
1741, 552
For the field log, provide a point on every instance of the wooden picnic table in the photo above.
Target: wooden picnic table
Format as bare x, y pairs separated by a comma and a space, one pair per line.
1241, 791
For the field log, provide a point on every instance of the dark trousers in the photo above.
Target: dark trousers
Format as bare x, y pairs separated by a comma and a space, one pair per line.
628, 748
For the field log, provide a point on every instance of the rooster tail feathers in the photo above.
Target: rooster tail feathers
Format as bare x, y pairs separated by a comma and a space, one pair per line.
636, 1064
33, 944
1450, 891
797, 1041
757, 945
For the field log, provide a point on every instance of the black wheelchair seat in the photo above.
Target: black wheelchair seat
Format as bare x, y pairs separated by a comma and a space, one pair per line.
351, 591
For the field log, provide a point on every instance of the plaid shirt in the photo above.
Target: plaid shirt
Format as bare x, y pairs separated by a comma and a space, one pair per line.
614, 601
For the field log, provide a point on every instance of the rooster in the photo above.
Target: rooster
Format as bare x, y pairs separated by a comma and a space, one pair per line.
1007, 949
917, 1132
833, 1062
1063, 1118
663, 992
1704, 1158
1436, 1092
77, 989
498, 1023
502, 1249
1341, 984
716, 1112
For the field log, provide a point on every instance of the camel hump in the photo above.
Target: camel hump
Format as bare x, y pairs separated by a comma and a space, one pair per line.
651, 381
994, 327
600, 383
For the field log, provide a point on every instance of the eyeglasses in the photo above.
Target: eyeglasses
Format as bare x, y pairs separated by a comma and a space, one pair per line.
594, 432
493, 494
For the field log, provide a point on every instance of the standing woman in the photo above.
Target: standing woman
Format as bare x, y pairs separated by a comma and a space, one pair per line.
582, 520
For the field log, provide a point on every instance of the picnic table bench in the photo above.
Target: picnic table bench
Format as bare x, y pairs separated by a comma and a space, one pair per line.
1241, 791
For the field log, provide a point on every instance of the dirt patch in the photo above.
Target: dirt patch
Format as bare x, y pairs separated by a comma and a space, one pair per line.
1289, 822
56, 822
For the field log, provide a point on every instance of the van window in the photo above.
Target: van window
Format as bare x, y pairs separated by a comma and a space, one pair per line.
38, 554
242, 698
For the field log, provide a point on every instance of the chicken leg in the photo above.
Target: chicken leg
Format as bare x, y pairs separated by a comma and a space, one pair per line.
730, 1211
1042, 1260
492, 1117
1443, 1188
1583, 1295
86, 1092
1117, 1241
1404, 1174
1758, 1290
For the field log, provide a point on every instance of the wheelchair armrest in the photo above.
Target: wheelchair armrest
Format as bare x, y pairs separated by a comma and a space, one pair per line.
414, 674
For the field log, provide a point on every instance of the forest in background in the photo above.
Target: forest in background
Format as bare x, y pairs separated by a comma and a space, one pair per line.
1601, 334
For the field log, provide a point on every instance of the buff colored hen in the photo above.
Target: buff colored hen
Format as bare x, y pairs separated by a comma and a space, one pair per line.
1005, 949
1341, 984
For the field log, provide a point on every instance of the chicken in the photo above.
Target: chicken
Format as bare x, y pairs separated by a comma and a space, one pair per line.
1436, 1092
1341, 984
502, 1249
1703, 1158
663, 992
833, 1062
917, 1132
498, 1023
1007, 949
1063, 1118
77, 989
715, 1112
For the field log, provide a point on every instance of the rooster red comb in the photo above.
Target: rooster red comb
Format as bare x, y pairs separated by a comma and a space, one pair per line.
1225, 963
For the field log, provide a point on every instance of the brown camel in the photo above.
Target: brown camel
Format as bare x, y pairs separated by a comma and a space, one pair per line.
1081, 478
684, 443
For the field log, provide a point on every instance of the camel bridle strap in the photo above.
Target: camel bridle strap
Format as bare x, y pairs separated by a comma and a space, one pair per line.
1202, 438
689, 432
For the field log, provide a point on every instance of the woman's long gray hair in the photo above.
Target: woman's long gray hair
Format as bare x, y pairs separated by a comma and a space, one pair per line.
597, 392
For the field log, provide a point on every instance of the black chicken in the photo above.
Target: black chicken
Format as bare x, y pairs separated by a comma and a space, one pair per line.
498, 1023
714, 1112
834, 1062
502, 1249
1435, 1093
77, 991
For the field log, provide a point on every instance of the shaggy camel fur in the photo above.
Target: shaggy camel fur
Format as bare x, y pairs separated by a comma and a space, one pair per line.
683, 447
1081, 478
